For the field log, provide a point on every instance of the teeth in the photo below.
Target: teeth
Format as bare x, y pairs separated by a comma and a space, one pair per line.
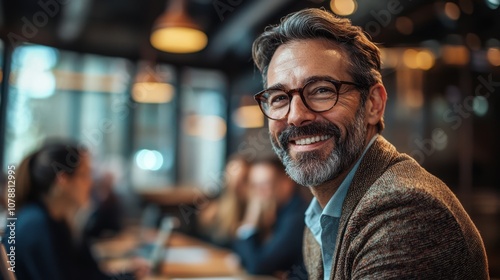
311, 140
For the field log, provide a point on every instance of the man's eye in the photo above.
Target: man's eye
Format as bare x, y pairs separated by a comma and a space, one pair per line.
322, 92
278, 100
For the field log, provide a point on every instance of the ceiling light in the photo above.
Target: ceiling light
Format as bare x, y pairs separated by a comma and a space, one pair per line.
151, 87
152, 92
174, 31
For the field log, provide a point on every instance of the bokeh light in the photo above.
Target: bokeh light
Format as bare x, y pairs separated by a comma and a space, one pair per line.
343, 7
149, 159
493, 56
480, 105
452, 11
493, 4
404, 25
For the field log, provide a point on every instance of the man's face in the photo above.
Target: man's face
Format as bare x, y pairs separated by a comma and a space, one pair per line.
333, 139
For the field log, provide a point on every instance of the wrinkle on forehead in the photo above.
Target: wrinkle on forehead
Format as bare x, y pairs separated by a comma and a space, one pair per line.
295, 61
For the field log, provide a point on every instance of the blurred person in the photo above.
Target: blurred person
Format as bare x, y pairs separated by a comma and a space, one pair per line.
377, 214
219, 220
54, 183
105, 217
269, 239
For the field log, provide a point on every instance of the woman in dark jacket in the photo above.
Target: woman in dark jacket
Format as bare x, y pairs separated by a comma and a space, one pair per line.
52, 184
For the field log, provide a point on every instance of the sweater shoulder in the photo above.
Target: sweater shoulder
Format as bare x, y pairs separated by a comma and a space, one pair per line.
407, 180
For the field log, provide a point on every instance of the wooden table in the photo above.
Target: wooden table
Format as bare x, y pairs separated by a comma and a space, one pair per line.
186, 257
213, 262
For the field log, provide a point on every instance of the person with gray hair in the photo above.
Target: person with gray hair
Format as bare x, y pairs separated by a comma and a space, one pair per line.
377, 214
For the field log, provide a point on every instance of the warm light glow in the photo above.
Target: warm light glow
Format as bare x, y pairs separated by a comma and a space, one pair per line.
418, 59
211, 128
73, 81
493, 56
152, 92
179, 39
455, 55
249, 117
452, 11
343, 7
404, 25
410, 58
425, 59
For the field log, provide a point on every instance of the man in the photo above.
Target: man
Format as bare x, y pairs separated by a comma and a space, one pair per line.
269, 240
376, 213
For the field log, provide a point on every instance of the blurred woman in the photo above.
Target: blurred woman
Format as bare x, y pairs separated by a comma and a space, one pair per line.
52, 185
269, 238
220, 219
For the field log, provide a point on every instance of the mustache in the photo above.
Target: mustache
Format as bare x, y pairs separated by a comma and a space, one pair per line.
316, 128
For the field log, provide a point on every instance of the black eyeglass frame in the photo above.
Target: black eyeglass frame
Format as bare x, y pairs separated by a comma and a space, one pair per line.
338, 84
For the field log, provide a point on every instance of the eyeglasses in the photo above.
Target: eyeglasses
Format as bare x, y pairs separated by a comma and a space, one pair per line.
319, 95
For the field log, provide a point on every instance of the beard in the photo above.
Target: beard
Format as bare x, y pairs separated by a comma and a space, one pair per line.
314, 168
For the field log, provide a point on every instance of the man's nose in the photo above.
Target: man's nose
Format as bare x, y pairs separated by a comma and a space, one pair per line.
299, 114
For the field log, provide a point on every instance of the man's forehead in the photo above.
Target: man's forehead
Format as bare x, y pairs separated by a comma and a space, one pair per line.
298, 60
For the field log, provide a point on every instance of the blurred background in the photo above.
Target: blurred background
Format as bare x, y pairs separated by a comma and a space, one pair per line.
161, 117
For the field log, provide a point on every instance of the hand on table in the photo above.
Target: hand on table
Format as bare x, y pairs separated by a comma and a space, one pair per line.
140, 267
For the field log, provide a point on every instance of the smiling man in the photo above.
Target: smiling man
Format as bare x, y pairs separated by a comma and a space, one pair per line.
376, 214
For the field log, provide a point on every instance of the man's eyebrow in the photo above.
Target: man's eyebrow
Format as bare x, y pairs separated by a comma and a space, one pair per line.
277, 86
306, 80
324, 77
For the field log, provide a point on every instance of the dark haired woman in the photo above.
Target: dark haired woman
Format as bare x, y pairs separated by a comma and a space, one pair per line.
52, 184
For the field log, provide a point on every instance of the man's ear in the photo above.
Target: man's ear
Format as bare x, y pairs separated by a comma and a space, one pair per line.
375, 104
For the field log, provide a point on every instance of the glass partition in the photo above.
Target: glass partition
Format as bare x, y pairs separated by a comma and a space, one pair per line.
203, 128
61, 94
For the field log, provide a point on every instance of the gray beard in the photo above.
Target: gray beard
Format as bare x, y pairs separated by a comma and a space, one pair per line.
314, 168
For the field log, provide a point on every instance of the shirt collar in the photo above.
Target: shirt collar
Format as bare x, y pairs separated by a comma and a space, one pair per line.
334, 207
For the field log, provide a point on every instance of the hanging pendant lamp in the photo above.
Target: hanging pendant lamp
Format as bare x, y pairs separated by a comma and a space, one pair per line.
175, 32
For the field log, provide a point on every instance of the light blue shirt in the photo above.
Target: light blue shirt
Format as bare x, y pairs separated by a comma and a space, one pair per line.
324, 223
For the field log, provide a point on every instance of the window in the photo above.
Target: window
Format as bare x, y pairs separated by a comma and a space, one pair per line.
62, 94
204, 127
154, 128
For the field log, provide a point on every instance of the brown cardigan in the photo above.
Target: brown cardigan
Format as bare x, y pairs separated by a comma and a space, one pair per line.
400, 222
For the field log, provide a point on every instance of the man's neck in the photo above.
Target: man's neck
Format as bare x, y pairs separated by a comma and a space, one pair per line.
324, 192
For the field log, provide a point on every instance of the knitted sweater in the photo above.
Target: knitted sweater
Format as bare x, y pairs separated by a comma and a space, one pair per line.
400, 222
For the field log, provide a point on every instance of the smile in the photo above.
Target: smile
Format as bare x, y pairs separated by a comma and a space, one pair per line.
310, 140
